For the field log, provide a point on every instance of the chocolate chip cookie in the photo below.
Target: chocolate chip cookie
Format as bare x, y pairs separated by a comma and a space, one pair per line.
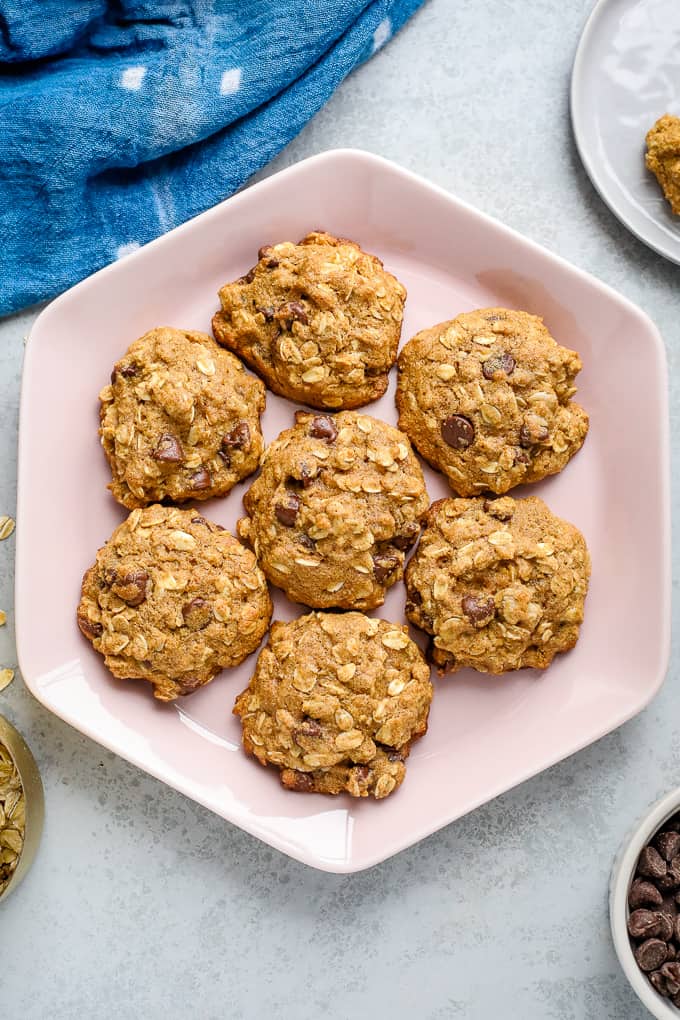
663, 157
337, 504
498, 584
335, 703
319, 321
486, 399
180, 420
173, 599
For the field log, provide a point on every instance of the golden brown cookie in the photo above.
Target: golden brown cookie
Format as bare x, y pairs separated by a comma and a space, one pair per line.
173, 599
180, 420
335, 507
319, 321
663, 157
486, 399
335, 703
498, 584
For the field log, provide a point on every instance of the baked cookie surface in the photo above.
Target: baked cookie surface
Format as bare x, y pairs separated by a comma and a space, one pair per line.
180, 420
335, 507
173, 599
498, 584
486, 399
319, 321
335, 703
663, 157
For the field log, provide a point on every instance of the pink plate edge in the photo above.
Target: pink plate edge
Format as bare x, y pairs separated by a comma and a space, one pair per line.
360, 156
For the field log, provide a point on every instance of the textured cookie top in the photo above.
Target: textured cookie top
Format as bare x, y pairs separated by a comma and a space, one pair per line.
663, 157
335, 507
319, 321
486, 399
180, 420
499, 584
335, 702
173, 599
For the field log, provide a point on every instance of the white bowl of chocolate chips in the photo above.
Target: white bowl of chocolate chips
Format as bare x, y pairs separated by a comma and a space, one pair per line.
644, 908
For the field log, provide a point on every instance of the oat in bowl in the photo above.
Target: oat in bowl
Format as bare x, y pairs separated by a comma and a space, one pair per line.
21, 808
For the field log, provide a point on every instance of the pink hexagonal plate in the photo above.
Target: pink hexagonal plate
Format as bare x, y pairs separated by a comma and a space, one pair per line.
486, 734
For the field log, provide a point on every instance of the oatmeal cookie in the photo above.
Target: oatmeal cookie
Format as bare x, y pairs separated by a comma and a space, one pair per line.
173, 599
498, 584
337, 504
180, 420
319, 321
486, 399
335, 703
663, 157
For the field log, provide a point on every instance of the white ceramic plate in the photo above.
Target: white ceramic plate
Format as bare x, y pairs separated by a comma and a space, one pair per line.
626, 75
486, 733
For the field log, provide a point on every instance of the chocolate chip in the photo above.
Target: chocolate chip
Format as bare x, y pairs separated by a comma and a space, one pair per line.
248, 278
479, 610
383, 566
416, 598
458, 431
237, 438
651, 863
199, 520
644, 924
521, 456
286, 512
658, 981
361, 773
532, 432
406, 537
131, 587
308, 728
168, 449
265, 255
89, 628
668, 844
306, 541
323, 427
503, 363
197, 614
651, 954
303, 782
266, 311
200, 479
297, 312
666, 925
671, 972
128, 371
643, 894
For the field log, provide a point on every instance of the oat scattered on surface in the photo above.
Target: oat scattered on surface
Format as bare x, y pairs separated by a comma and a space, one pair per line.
6, 677
12, 816
7, 525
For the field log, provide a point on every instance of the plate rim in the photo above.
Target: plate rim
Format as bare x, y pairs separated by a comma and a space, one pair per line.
576, 104
411, 837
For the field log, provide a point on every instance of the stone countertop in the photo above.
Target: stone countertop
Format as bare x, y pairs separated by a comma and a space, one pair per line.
142, 904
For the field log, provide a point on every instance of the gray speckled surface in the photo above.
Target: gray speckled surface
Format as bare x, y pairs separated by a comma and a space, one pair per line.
142, 904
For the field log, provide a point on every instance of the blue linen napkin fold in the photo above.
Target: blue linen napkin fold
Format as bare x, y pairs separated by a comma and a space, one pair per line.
120, 119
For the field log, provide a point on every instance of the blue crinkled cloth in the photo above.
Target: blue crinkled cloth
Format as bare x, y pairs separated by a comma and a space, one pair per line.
120, 119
